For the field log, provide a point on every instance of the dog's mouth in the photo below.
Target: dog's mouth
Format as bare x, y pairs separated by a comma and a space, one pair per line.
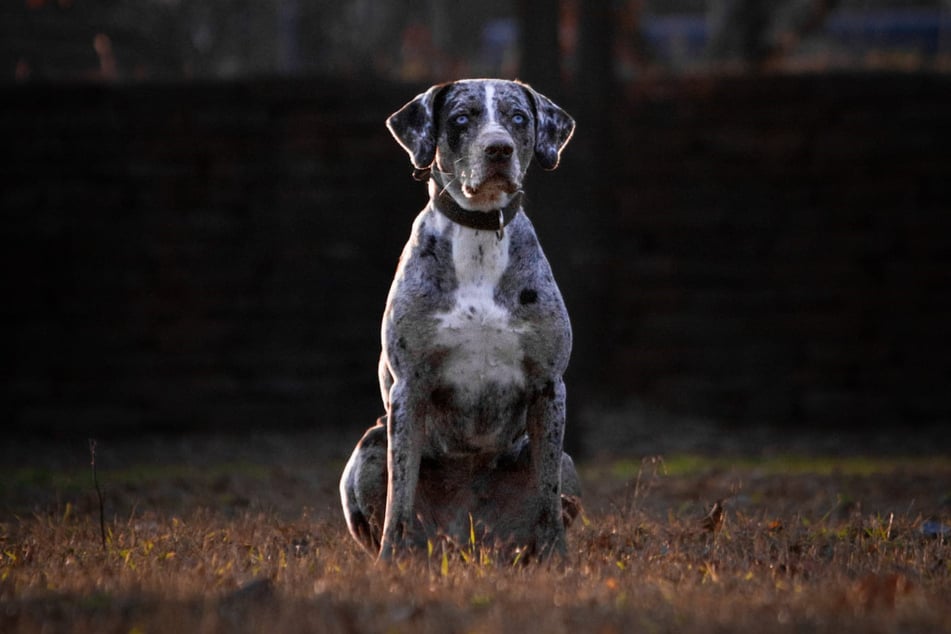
493, 187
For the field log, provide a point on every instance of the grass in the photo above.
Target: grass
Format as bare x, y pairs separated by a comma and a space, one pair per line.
256, 543
784, 464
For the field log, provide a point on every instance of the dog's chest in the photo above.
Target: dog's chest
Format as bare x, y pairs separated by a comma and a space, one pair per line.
480, 336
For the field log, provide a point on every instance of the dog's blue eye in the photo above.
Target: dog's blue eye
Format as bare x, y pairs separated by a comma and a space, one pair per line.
518, 118
462, 119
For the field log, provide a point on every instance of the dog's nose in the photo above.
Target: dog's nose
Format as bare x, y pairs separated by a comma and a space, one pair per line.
499, 151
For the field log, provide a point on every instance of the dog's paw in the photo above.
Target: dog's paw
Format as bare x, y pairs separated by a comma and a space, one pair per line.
390, 552
550, 540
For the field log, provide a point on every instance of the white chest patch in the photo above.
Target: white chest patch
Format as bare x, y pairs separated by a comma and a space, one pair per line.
483, 343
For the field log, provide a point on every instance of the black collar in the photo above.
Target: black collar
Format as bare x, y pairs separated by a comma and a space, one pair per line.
495, 220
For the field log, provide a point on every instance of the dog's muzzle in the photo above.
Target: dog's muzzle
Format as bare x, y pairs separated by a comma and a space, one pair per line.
494, 167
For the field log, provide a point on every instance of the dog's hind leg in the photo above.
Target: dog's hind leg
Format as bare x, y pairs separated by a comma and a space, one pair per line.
363, 488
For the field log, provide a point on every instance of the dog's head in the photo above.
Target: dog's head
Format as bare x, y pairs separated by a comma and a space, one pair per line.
479, 136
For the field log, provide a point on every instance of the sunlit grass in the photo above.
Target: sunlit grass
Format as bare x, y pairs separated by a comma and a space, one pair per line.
788, 464
80, 479
801, 543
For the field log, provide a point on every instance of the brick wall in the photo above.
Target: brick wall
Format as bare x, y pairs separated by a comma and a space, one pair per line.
217, 255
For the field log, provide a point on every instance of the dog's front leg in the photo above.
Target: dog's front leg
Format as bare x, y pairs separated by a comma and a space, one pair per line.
546, 430
404, 442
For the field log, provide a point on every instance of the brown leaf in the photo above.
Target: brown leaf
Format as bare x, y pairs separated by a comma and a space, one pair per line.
570, 509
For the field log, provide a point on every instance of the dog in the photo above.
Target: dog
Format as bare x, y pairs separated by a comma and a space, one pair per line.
475, 341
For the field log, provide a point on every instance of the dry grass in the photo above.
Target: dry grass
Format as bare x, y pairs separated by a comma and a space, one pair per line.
251, 540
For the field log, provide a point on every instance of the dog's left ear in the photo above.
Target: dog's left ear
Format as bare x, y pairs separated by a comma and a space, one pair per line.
414, 127
553, 130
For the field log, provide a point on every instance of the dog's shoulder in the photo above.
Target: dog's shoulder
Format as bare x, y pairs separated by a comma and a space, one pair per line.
424, 275
527, 261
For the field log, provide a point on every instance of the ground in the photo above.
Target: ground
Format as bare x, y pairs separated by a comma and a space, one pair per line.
686, 527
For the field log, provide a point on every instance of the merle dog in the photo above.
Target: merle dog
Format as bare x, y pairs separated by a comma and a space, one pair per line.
475, 338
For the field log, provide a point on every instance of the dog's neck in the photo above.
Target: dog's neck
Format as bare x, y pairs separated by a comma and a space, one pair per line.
494, 220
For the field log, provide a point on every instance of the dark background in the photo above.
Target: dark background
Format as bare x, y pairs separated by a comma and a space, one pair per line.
202, 210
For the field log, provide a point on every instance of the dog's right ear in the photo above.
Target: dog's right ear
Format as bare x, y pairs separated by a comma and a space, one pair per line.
414, 127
